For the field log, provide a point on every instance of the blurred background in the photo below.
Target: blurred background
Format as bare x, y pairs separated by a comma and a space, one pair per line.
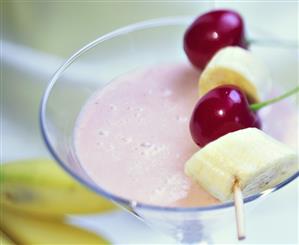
38, 36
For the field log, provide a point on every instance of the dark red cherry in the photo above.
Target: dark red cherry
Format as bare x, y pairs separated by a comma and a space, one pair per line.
212, 31
222, 110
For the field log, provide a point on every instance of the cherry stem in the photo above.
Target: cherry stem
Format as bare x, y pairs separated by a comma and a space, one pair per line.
257, 106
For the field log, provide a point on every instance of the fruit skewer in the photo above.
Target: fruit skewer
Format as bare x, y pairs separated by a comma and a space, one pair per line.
236, 158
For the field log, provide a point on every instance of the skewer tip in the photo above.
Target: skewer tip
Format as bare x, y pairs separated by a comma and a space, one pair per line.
240, 238
239, 210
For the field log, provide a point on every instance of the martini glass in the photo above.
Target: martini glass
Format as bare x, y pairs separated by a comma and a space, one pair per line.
92, 67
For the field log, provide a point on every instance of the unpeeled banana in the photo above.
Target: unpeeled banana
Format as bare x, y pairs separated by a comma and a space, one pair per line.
235, 66
4, 239
249, 156
41, 187
26, 229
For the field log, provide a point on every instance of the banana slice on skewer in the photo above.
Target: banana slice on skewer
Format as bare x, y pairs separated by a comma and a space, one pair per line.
249, 156
235, 66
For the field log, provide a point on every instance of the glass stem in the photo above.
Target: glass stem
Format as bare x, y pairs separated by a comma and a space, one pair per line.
257, 106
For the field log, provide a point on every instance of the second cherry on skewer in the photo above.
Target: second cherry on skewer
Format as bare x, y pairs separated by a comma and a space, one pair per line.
226, 109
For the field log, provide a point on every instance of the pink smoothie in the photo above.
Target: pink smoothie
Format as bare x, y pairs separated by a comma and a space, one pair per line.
132, 137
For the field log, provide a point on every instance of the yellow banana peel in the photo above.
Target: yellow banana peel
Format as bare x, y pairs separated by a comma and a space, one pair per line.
41, 187
28, 230
5, 240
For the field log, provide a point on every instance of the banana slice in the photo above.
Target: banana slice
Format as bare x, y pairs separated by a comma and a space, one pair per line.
249, 155
235, 66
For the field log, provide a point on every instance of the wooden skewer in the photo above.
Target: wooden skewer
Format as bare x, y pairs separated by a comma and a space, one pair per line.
239, 211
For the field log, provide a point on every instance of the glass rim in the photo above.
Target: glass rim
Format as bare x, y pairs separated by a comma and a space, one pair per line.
152, 23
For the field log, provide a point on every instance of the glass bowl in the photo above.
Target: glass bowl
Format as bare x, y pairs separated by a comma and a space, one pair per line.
129, 48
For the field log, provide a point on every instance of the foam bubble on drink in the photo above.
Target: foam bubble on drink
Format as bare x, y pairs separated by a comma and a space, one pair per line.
103, 133
126, 140
152, 150
137, 115
112, 107
174, 187
182, 119
145, 144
